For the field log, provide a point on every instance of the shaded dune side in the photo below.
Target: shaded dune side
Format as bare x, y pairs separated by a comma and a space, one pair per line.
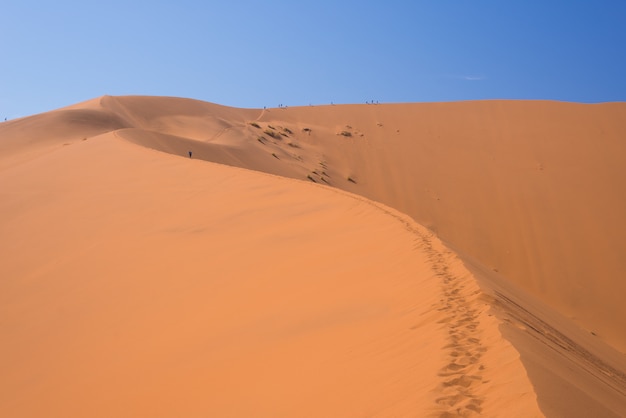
180, 117
179, 288
29, 137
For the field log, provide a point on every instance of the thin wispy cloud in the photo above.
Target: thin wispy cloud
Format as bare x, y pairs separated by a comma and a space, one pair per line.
467, 77
473, 77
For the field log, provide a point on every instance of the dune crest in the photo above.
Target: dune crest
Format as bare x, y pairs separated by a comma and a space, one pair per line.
525, 192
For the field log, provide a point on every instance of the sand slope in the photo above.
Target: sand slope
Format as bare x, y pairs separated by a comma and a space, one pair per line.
135, 283
528, 193
529, 189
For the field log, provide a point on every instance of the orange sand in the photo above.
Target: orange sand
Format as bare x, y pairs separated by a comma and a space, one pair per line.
137, 283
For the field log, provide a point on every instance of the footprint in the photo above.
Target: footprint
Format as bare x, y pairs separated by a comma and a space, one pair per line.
474, 405
449, 400
463, 381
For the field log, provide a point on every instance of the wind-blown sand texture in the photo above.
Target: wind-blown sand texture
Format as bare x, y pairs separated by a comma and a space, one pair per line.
136, 281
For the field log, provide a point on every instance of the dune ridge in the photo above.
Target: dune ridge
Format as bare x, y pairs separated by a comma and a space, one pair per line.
525, 192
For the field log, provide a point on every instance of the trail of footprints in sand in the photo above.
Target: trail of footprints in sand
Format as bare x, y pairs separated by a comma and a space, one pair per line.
463, 372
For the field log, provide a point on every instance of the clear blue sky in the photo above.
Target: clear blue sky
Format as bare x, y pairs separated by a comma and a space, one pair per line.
256, 53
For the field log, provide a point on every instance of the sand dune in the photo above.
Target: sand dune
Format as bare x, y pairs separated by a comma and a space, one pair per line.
389, 322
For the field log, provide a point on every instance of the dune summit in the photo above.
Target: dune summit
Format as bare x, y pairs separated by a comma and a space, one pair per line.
140, 278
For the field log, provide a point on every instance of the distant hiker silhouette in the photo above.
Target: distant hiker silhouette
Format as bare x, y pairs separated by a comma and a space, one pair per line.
189, 154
